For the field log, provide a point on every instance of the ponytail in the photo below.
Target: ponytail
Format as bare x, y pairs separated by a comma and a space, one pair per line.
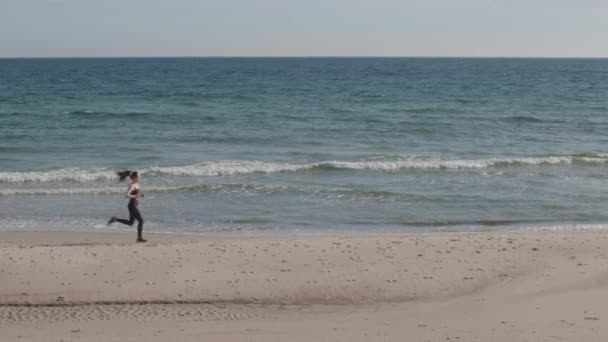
124, 174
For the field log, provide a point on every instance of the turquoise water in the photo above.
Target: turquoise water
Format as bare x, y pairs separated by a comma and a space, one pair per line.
306, 144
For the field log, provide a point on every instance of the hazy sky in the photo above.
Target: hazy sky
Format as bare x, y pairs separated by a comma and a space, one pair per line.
559, 28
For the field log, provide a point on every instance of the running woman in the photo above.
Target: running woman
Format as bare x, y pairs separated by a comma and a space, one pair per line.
133, 194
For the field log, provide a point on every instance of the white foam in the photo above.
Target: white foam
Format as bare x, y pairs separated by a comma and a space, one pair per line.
228, 168
59, 175
569, 227
70, 191
437, 163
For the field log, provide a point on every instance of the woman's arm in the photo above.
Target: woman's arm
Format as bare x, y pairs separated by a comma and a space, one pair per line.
129, 190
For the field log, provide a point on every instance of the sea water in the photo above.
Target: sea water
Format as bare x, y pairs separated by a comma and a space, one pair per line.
305, 145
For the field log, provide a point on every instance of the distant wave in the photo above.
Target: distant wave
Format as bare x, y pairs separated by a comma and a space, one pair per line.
421, 110
228, 168
522, 119
93, 113
82, 112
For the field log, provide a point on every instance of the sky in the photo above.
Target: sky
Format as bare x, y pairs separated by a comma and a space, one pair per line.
484, 28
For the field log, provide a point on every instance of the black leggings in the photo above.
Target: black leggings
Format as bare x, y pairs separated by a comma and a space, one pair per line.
134, 214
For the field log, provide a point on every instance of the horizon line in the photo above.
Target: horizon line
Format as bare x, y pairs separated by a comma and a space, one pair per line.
304, 56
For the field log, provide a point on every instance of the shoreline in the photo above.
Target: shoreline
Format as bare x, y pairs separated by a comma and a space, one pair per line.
513, 286
571, 228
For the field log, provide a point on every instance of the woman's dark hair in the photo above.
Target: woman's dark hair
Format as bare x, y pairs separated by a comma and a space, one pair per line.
124, 174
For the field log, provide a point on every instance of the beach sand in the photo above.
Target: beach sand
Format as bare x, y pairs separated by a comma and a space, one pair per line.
533, 286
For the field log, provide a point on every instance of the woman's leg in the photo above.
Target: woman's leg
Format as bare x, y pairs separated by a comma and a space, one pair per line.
131, 219
140, 226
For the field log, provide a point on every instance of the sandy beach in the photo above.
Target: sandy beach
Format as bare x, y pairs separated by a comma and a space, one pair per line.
546, 286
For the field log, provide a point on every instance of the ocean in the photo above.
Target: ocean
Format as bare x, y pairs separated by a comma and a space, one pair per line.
305, 145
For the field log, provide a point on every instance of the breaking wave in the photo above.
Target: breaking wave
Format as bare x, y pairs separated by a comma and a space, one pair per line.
228, 168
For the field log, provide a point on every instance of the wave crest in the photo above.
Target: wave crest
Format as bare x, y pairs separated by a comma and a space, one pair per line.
437, 163
229, 168
59, 175
226, 168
